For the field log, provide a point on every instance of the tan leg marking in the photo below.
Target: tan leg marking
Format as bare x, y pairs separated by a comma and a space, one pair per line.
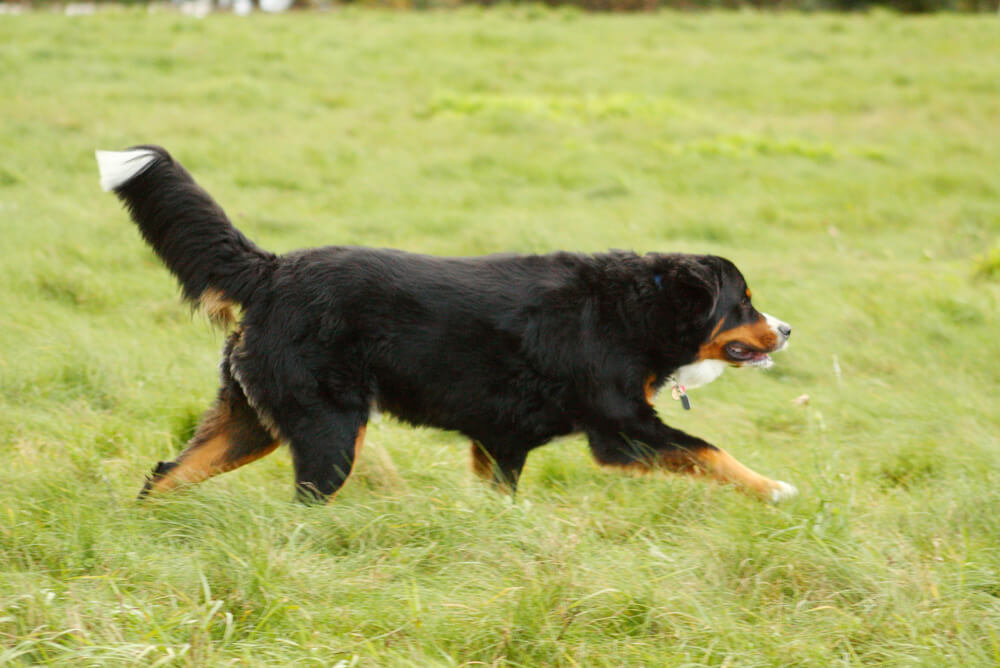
482, 464
484, 467
214, 448
359, 441
716, 464
723, 467
204, 460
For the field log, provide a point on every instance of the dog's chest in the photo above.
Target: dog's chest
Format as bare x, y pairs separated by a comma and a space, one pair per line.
697, 374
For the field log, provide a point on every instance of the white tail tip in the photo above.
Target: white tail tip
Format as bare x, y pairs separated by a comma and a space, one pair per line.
118, 167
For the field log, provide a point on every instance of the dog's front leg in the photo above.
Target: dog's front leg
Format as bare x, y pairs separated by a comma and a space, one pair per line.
645, 444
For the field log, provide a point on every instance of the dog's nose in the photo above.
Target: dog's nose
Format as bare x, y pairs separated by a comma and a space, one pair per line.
786, 330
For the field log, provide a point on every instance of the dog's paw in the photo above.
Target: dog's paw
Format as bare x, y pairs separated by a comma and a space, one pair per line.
782, 491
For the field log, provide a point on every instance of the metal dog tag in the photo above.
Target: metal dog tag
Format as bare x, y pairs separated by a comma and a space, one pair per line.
680, 392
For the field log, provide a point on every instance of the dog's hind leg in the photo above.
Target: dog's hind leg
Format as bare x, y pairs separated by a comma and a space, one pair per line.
324, 445
229, 436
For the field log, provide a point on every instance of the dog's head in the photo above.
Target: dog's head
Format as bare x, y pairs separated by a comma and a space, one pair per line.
710, 294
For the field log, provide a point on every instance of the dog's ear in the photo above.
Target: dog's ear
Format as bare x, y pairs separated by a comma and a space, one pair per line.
688, 285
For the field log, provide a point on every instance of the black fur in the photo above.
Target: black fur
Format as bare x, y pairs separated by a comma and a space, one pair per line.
191, 233
509, 350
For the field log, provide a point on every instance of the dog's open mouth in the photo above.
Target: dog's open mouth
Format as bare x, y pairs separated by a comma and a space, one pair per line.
744, 355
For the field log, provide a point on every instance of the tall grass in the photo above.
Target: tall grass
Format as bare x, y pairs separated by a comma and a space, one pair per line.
846, 163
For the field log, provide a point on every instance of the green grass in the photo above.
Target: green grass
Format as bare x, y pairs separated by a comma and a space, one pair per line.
848, 164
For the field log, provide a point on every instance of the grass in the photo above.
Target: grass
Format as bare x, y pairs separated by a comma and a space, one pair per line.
846, 163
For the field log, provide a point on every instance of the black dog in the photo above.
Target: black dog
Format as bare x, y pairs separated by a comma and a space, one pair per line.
510, 350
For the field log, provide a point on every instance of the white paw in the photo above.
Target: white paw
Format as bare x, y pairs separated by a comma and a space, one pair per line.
782, 491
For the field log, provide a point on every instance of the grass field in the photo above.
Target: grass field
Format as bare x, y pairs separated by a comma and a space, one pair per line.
848, 164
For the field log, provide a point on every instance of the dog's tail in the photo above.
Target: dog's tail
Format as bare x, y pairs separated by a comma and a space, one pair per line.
214, 262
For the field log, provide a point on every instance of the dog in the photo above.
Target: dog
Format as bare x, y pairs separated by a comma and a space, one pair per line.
509, 350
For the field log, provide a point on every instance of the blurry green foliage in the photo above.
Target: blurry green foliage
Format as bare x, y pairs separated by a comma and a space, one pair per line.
905, 6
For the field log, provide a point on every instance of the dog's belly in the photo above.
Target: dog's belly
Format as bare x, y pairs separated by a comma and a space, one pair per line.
485, 411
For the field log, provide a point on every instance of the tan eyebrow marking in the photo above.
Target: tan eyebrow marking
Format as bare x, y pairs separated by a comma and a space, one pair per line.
716, 329
748, 293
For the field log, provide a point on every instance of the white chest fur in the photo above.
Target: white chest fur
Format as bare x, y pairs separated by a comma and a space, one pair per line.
699, 373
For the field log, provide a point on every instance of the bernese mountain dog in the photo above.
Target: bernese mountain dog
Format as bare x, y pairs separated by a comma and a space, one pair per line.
510, 350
